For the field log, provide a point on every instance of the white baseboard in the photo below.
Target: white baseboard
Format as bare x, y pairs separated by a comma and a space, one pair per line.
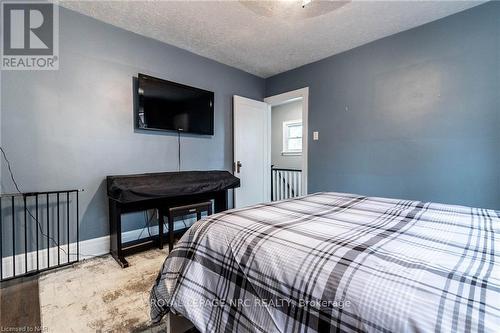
88, 249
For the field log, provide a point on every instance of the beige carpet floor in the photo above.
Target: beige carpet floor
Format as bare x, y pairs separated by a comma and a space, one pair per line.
97, 295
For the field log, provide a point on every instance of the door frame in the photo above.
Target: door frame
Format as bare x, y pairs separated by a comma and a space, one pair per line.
302, 93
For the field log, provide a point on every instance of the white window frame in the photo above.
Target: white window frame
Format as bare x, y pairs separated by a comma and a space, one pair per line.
285, 150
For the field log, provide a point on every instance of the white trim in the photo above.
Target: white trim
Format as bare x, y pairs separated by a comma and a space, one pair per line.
291, 153
292, 122
284, 98
88, 249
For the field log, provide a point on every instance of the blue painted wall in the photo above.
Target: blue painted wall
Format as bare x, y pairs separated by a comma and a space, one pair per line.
415, 115
71, 127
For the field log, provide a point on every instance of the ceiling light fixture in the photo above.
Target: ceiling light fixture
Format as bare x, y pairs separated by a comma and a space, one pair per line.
305, 3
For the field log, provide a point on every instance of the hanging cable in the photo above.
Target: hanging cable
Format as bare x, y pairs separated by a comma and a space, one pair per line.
33, 217
147, 223
10, 170
179, 150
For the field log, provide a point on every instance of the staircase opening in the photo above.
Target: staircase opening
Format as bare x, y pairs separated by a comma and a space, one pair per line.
286, 149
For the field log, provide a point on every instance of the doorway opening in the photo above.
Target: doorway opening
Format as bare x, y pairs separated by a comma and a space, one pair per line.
286, 150
260, 182
288, 144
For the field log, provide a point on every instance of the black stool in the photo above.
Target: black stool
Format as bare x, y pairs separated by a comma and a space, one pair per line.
183, 211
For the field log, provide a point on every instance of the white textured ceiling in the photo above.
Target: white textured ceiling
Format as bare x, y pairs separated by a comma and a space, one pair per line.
267, 38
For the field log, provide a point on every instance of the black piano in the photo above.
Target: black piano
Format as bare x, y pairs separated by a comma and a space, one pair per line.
162, 191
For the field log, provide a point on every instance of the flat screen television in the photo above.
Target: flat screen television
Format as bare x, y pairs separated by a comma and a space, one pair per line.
170, 106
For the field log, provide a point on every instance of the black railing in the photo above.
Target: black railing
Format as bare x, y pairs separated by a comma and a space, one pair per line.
35, 228
285, 183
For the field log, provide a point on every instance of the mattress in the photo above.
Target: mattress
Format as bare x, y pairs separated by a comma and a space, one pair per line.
336, 262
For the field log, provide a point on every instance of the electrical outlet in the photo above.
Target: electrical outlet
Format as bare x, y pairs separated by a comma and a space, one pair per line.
315, 136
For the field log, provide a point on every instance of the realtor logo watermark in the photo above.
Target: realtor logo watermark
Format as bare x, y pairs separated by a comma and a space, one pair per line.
30, 35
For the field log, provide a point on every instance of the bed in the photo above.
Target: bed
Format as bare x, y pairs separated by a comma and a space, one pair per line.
335, 262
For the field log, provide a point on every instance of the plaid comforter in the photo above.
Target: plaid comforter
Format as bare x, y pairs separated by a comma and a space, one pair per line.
337, 262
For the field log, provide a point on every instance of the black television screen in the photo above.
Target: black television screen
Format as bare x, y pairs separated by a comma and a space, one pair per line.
170, 106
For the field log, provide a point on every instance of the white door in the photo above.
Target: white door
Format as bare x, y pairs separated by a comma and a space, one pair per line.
252, 151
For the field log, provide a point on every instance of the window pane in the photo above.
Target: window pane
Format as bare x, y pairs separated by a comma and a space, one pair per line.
295, 144
295, 131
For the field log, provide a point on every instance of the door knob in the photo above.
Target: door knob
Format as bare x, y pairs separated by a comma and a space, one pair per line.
238, 166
